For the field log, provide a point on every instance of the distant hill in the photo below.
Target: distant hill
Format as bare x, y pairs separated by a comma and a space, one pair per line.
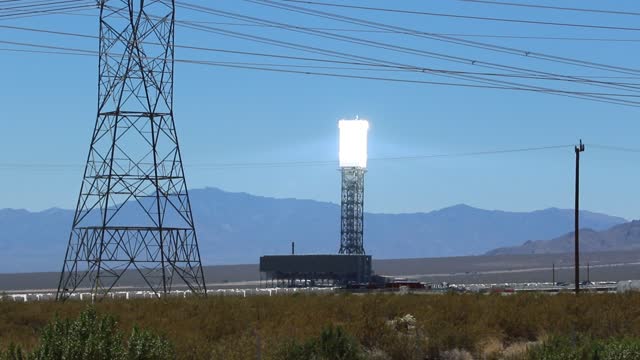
236, 228
620, 237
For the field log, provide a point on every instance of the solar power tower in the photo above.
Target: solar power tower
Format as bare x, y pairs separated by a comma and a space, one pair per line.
353, 165
133, 217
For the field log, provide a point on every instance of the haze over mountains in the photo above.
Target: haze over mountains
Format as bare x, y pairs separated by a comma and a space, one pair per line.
237, 228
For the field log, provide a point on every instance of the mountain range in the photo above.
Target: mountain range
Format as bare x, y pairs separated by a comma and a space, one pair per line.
237, 228
625, 236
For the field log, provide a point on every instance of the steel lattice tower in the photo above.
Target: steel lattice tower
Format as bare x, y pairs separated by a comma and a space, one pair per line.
352, 206
133, 214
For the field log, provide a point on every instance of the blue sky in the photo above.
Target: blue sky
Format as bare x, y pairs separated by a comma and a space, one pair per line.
236, 116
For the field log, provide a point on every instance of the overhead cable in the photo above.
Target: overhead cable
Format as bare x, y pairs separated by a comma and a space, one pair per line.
395, 48
280, 56
614, 148
463, 35
449, 39
251, 164
457, 16
603, 97
82, 52
536, 6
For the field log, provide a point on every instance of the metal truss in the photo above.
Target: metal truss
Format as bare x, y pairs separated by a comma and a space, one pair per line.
352, 204
133, 217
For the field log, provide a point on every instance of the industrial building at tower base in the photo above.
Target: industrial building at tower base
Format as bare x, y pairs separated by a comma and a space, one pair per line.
315, 270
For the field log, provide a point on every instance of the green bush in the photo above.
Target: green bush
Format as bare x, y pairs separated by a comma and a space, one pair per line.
623, 349
332, 344
584, 348
562, 348
88, 337
95, 337
13, 352
335, 343
143, 345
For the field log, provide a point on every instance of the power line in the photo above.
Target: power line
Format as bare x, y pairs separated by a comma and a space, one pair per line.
383, 66
613, 12
552, 91
427, 35
82, 52
544, 90
75, 51
40, 5
221, 63
51, 52
448, 57
37, 4
333, 53
496, 36
399, 49
614, 148
482, 81
400, 11
73, 12
311, 163
20, 14
45, 31
602, 97
539, 37
244, 165
503, 85
32, 3
463, 35
478, 153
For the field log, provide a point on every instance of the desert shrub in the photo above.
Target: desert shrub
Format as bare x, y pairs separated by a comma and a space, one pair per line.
95, 337
332, 344
558, 348
456, 354
622, 349
236, 347
293, 350
514, 351
376, 354
228, 327
335, 343
586, 348
90, 336
144, 345
13, 352
402, 339
456, 321
515, 320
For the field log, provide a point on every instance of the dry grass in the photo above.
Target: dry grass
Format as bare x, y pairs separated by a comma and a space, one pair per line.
491, 348
518, 351
234, 328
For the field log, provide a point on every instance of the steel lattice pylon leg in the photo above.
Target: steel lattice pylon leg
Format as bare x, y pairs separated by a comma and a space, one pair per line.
352, 205
133, 217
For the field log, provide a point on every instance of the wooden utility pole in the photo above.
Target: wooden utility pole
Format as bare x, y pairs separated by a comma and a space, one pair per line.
578, 149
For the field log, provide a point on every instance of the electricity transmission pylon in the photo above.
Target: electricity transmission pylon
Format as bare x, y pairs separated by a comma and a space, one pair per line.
133, 220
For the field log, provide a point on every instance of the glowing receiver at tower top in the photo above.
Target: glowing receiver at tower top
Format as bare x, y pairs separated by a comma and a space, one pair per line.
353, 143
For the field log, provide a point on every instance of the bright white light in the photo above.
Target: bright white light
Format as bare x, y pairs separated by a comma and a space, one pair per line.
353, 143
